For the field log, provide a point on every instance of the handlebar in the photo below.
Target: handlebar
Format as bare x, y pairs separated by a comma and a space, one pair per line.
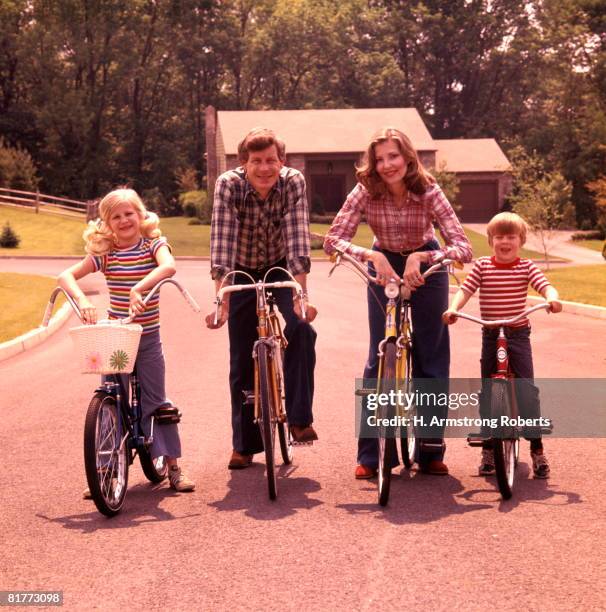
51, 303
260, 287
393, 283
503, 322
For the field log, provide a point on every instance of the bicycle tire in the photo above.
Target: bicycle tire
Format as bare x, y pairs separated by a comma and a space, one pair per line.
504, 447
386, 441
284, 436
267, 421
408, 441
105, 454
155, 470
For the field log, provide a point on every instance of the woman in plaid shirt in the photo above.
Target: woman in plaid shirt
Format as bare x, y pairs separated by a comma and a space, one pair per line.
401, 202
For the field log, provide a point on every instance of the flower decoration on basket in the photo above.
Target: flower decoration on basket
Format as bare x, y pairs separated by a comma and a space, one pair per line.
118, 360
94, 361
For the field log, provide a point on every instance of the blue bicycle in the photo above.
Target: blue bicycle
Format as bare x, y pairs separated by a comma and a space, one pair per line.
113, 435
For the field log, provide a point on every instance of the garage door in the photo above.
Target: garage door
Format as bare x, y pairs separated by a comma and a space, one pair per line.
479, 201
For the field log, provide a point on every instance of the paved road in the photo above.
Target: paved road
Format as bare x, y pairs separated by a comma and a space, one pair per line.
443, 543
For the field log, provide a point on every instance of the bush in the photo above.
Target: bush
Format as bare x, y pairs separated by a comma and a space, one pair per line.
589, 235
317, 218
8, 238
195, 221
17, 168
196, 204
155, 201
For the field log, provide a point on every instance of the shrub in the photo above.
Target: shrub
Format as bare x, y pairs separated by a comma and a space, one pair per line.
17, 168
155, 201
8, 238
196, 204
588, 235
195, 221
187, 179
325, 218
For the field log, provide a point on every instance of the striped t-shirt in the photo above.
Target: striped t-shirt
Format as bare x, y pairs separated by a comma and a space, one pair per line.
504, 287
125, 268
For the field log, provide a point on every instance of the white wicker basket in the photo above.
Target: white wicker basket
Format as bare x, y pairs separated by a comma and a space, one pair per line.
107, 348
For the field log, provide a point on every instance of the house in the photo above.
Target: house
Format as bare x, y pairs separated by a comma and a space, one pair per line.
326, 144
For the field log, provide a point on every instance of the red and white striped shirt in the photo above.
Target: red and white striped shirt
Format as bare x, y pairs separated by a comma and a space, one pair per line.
504, 287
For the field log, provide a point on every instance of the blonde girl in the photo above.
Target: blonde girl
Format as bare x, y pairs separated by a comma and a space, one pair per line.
126, 245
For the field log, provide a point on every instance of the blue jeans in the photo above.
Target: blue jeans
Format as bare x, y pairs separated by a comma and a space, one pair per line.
299, 362
431, 345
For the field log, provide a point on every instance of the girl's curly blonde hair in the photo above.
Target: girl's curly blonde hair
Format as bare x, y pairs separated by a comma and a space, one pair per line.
416, 179
98, 236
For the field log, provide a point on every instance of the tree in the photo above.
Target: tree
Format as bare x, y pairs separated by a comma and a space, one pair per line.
598, 188
541, 197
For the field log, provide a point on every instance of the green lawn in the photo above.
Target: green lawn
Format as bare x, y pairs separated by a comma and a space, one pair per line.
585, 284
594, 245
23, 298
43, 233
46, 234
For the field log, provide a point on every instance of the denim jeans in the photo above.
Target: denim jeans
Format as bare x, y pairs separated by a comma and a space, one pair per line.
431, 344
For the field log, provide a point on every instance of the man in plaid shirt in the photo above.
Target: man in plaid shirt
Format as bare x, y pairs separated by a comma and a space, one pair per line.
260, 220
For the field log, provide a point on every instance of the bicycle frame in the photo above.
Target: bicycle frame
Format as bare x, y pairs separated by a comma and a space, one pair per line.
506, 445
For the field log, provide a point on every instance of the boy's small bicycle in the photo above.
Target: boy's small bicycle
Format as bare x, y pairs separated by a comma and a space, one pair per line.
395, 375
113, 434
503, 405
268, 395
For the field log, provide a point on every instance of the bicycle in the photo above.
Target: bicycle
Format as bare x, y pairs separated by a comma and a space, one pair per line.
503, 406
113, 433
268, 395
394, 376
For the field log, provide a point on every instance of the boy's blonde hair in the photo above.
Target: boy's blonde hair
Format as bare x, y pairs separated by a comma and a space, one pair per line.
99, 238
507, 223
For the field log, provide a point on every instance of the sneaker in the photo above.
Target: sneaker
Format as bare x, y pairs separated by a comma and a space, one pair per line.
364, 472
178, 481
540, 465
487, 462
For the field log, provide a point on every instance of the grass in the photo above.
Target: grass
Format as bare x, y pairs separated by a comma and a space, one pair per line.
43, 233
594, 245
46, 234
585, 284
23, 298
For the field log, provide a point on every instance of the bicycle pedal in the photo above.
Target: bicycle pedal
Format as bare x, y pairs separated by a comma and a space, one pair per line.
477, 439
295, 443
248, 398
167, 415
364, 392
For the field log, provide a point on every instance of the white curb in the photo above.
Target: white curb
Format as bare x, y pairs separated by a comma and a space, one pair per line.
35, 336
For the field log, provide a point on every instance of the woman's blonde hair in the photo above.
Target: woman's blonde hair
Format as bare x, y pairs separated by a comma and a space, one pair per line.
98, 236
416, 179
507, 223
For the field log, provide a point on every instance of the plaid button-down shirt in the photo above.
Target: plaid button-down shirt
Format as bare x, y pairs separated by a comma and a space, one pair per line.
399, 229
256, 233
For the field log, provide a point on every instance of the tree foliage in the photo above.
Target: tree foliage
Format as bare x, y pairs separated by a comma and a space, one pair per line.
106, 92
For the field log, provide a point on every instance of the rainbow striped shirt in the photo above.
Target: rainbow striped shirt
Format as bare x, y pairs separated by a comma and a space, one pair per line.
124, 269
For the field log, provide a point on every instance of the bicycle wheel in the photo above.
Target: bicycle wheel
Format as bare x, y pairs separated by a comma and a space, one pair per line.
105, 454
408, 440
387, 442
286, 447
267, 421
155, 470
504, 447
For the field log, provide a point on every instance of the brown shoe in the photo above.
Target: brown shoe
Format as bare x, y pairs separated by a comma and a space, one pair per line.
435, 467
303, 435
364, 472
239, 461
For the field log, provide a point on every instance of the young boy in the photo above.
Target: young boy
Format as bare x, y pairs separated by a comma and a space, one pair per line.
503, 281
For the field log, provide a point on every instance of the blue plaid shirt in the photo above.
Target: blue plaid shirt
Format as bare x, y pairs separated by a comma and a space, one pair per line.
256, 233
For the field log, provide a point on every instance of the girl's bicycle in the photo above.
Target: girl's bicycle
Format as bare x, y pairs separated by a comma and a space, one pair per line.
268, 354
394, 377
503, 406
113, 434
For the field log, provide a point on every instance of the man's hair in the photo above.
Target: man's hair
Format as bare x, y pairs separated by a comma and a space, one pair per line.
258, 139
507, 223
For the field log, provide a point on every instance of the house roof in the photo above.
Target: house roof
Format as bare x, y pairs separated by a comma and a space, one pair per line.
324, 131
471, 155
